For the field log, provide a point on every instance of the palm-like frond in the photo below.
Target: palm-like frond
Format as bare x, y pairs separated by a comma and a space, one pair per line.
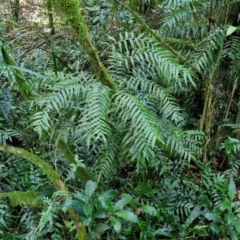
94, 120
164, 101
62, 92
204, 58
143, 54
143, 125
108, 159
179, 143
7, 134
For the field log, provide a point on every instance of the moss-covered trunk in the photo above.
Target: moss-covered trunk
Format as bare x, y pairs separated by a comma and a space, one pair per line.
71, 10
52, 175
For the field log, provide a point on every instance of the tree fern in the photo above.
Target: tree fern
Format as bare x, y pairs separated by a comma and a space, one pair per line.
140, 113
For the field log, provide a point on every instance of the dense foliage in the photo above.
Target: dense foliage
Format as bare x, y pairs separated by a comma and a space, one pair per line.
120, 120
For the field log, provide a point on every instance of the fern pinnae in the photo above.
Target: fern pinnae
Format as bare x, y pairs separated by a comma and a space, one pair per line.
166, 102
144, 130
149, 55
207, 47
107, 160
94, 121
7, 134
41, 121
61, 91
177, 143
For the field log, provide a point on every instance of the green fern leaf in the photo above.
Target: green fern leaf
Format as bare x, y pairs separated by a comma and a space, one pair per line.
94, 121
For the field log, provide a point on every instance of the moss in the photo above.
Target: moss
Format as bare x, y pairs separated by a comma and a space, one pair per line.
53, 176
22, 198
71, 10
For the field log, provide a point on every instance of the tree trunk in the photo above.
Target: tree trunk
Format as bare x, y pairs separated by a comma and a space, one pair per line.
71, 10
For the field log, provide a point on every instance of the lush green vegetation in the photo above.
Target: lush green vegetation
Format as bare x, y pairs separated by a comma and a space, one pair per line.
120, 120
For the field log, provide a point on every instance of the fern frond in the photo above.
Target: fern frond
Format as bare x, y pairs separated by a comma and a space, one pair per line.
176, 3
231, 145
181, 19
180, 144
46, 218
176, 16
233, 167
7, 134
205, 57
105, 165
194, 140
143, 125
145, 54
62, 93
62, 89
166, 103
216, 185
41, 121
94, 121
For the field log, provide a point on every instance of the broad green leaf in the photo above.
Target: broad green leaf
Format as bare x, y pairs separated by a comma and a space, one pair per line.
87, 221
226, 204
236, 225
236, 204
116, 224
126, 198
237, 210
100, 228
230, 30
232, 189
194, 214
87, 209
164, 232
233, 235
101, 213
90, 187
127, 215
110, 194
212, 217
215, 228
230, 218
106, 204
150, 210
